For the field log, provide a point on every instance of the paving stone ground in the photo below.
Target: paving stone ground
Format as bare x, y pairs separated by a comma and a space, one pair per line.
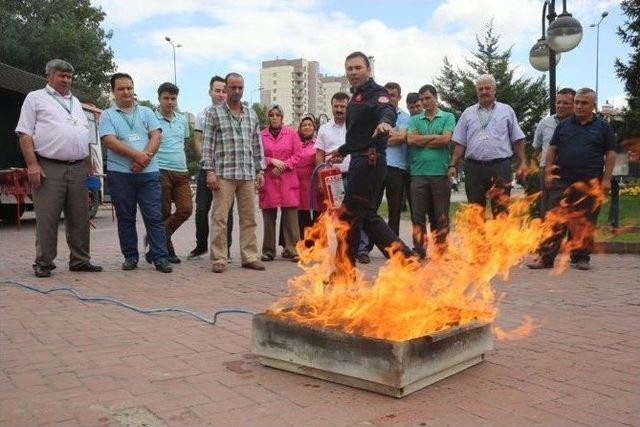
64, 362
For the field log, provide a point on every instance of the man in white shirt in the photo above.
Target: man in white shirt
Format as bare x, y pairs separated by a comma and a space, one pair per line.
332, 135
54, 139
204, 196
544, 132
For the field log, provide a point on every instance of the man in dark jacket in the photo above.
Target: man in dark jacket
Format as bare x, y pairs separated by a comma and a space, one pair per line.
370, 117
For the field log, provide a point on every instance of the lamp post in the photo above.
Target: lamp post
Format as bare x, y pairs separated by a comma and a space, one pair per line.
597, 26
563, 34
174, 46
251, 94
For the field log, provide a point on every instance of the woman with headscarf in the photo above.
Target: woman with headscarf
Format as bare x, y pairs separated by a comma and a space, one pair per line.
282, 146
310, 201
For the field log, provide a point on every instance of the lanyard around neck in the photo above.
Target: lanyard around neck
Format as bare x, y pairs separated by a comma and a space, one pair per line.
68, 109
485, 123
130, 122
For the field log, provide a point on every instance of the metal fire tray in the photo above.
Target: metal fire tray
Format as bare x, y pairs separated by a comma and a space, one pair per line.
394, 368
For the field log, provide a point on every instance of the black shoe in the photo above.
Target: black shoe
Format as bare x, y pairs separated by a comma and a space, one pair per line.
583, 264
88, 267
173, 258
129, 264
164, 266
42, 270
364, 259
197, 252
539, 265
148, 257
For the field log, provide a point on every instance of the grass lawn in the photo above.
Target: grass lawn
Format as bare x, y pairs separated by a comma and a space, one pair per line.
629, 217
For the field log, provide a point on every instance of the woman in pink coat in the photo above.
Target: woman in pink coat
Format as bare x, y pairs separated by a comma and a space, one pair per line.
309, 208
281, 146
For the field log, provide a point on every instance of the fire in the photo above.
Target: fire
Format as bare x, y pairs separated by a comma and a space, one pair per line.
521, 331
408, 299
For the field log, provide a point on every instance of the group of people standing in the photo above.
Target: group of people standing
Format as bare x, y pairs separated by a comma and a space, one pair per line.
380, 149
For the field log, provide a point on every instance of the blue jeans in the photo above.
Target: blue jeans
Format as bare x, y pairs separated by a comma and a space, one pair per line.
129, 190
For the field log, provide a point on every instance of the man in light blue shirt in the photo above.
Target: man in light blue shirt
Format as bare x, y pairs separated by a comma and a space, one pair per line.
488, 135
396, 182
544, 132
174, 175
131, 134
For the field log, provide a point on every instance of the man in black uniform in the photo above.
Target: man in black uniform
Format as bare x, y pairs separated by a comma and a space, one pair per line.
370, 117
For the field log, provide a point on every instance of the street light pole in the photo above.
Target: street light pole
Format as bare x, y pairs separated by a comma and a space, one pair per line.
597, 26
251, 94
552, 61
563, 34
174, 46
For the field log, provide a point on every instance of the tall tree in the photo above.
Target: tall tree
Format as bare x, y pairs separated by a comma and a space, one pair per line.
261, 111
527, 96
629, 72
35, 31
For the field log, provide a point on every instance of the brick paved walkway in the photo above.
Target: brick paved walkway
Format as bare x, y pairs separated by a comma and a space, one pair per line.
64, 362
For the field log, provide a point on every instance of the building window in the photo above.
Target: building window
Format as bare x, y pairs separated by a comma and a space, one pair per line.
275, 82
274, 90
275, 74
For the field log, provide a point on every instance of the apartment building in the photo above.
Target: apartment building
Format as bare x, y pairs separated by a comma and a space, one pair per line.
298, 87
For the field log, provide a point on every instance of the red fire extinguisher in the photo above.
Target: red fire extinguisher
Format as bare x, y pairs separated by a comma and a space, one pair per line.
332, 185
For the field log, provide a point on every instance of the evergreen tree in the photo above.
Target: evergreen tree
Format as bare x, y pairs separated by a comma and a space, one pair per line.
528, 97
35, 31
629, 72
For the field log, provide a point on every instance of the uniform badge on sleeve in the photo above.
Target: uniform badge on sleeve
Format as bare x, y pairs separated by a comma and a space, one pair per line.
383, 100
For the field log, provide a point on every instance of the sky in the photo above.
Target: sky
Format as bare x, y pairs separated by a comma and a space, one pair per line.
408, 38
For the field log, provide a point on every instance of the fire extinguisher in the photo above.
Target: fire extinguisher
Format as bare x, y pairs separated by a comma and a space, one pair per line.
332, 184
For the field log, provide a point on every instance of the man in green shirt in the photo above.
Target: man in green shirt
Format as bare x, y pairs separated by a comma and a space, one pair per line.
428, 136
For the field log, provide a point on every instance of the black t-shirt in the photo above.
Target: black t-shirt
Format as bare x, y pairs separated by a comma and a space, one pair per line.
368, 107
581, 148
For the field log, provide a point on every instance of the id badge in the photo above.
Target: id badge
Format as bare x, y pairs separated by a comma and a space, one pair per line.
72, 121
134, 137
484, 135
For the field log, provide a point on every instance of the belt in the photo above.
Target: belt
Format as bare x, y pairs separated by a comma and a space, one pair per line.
62, 162
486, 162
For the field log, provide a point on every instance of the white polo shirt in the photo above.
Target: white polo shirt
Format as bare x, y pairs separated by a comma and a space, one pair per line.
56, 123
330, 137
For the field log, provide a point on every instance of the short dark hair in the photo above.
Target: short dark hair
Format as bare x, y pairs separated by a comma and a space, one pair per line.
232, 74
393, 86
428, 88
339, 96
412, 98
567, 91
358, 54
214, 79
116, 76
168, 87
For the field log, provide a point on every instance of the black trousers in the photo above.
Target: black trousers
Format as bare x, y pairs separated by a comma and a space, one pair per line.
204, 198
396, 188
361, 204
493, 179
580, 216
430, 197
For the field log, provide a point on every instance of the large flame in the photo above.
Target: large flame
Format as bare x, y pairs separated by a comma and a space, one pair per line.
408, 299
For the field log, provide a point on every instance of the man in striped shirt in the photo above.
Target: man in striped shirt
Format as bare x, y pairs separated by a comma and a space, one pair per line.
234, 162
